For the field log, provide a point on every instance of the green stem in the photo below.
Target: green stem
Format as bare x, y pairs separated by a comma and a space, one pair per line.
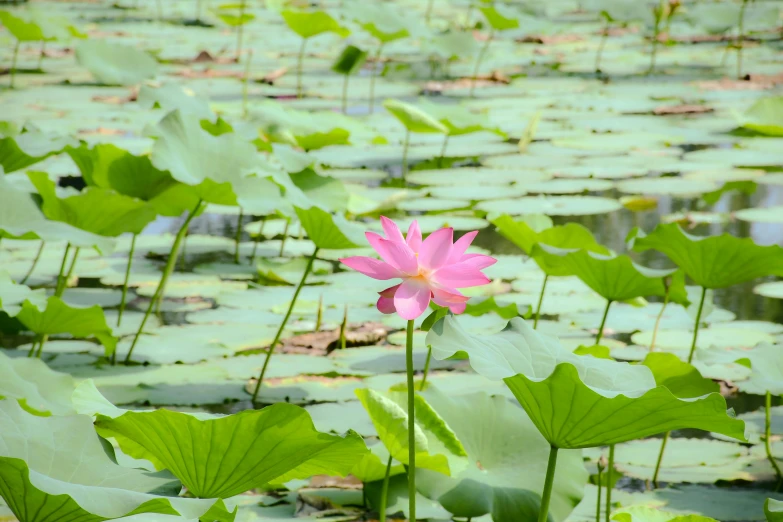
345, 94
656, 31
540, 300
61, 273
405, 155
443, 150
609, 472
35, 262
41, 345
601, 44
258, 240
372, 76
767, 437
13, 63
741, 37
32, 347
696, 326
70, 269
299, 59
282, 324
543, 512
479, 59
600, 333
238, 236
41, 55
285, 236
385, 491
240, 30
167, 270
660, 459
343, 327
426, 368
411, 423
125, 283
245, 83
598, 500
658, 319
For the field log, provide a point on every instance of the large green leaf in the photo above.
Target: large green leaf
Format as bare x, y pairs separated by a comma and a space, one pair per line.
458, 119
765, 116
109, 167
37, 388
226, 456
325, 191
773, 509
57, 468
766, 361
350, 60
115, 64
579, 401
22, 30
12, 295
21, 218
308, 24
613, 278
380, 20
30, 147
679, 377
714, 261
497, 20
372, 467
329, 231
413, 118
506, 461
101, 211
391, 422
61, 318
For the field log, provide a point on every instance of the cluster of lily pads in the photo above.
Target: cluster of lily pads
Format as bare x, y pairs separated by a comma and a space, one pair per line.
182, 340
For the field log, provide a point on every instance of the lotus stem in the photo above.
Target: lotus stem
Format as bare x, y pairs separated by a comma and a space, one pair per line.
285, 236
609, 472
660, 459
320, 316
35, 262
411, 423
299, 59
385, 491
13, 63
258, 240
245, 83
659, 11
546, 496
372, 77
343, 327
601, 44
598, 500
600, 332
479, 59
426, 368
61, 273
282, 325
44, 338
443, 150
741, 37
696, 325
32, 348
344, 103
41, 55
405, 145
658, 319
127, 278
70, 269
767, 437
240, 28
238, 236
540, 300
168, 269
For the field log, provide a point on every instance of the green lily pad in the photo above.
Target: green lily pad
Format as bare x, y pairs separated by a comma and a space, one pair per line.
115, 64
242, 441
552, 205
477, 176
52, 481
714, 261
764, 116
772, 290
568, 379
717, 336
413, 118
648, 514
329, 231
681, 187
31, 147
767, 365
761, 215
37, 388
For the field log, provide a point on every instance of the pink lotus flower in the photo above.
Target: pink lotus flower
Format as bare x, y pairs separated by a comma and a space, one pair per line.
432, 269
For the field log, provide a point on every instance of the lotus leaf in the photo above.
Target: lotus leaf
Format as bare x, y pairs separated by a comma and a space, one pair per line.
115, 64
38, 389
309, 24
413, 118
765, 116
28, 148
552, 383
329, 231
648, 514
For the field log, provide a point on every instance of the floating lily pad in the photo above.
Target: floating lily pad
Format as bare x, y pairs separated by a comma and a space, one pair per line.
552, 206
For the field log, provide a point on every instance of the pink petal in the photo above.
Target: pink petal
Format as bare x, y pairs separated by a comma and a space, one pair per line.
460, 246
413, 238
412, 298
385, 305
478, 261
436, 249
371, 267
454, 300
461, 275
391, 230
389, 292
398, 255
